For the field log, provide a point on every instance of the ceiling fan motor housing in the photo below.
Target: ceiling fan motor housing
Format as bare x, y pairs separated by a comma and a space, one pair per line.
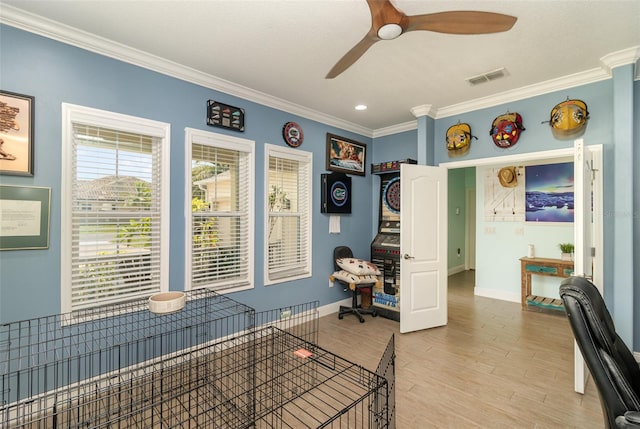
389, 31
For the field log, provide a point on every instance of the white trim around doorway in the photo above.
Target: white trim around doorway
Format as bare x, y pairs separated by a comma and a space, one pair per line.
598, 238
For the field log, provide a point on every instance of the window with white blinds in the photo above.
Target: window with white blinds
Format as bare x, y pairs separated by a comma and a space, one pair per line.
115, 213
220, 208
288, 208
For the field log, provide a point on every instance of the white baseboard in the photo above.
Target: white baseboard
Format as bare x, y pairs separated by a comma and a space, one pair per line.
334, 307
455, 270
497, 294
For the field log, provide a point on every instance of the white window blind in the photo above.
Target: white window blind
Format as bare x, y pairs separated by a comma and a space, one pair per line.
115, 242
220, 237
288, 200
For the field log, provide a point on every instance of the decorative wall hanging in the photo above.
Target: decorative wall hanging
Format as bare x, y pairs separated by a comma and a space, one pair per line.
504, 194
336, 193
16, 134
345, 155
549, 192
459, 139
568, 120
292, 134
505, 129
24, 217
225, 116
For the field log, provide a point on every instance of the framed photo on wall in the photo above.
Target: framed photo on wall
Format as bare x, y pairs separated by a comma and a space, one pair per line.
24, 217
16, 133
345, 155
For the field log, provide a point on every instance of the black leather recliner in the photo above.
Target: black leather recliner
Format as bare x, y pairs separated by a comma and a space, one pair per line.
612, 365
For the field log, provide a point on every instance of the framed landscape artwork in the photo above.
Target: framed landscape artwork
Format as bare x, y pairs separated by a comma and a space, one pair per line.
549, 193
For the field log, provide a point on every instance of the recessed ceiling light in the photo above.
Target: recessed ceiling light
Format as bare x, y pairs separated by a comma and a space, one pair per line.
361, 107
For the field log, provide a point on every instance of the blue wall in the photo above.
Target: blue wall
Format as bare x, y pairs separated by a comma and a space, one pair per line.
56, 73
395, 146
622, 289
537, 136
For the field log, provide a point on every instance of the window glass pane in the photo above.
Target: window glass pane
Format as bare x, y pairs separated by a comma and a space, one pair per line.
115, 216
288, 203
220, 198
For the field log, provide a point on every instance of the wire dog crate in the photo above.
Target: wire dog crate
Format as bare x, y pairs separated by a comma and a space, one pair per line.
214, 364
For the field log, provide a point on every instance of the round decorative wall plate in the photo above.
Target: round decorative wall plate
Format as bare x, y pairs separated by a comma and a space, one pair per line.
292, 134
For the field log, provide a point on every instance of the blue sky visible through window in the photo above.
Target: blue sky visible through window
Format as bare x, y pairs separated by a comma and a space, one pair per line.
97, 162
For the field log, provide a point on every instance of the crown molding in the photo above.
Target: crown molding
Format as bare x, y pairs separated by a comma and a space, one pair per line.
423, 110
54, 30
609, 62
565, 82
621, 58
72, 36
395, 129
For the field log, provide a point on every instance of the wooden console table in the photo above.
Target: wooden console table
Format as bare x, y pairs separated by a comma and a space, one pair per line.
543, 267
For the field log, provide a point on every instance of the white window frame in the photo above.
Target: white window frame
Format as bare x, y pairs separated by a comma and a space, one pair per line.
73, 114
307, 159
194, 136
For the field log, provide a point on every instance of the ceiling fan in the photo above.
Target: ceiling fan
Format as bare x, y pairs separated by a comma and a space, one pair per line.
388, 23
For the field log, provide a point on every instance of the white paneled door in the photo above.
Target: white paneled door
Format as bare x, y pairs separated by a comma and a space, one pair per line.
423, 247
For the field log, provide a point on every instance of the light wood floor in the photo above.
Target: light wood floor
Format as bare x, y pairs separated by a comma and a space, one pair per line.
493, 365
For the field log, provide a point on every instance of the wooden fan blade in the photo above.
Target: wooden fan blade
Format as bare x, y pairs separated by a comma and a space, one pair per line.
461, 22
382, 12
352, 56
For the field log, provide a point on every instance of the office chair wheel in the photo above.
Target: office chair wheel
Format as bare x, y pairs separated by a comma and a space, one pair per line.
340, 316
374, 313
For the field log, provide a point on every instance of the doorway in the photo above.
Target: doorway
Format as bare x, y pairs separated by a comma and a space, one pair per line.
549, 157
545, 157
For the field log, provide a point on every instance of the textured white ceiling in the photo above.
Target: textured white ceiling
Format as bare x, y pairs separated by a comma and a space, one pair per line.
284, 48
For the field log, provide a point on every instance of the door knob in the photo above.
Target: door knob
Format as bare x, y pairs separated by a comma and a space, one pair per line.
407, 256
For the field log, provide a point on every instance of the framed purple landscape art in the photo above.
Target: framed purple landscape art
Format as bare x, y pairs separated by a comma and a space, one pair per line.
549, 193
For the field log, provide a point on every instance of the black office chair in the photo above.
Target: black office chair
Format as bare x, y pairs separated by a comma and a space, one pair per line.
358, 310
612, 365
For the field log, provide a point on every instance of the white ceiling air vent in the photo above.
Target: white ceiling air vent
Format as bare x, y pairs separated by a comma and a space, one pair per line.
487, 77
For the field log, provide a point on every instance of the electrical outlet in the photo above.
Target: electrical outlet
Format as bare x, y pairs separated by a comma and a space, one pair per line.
285, 314
330, 283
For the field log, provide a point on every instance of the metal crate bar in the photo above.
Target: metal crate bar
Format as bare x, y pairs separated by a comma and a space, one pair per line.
214, 364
